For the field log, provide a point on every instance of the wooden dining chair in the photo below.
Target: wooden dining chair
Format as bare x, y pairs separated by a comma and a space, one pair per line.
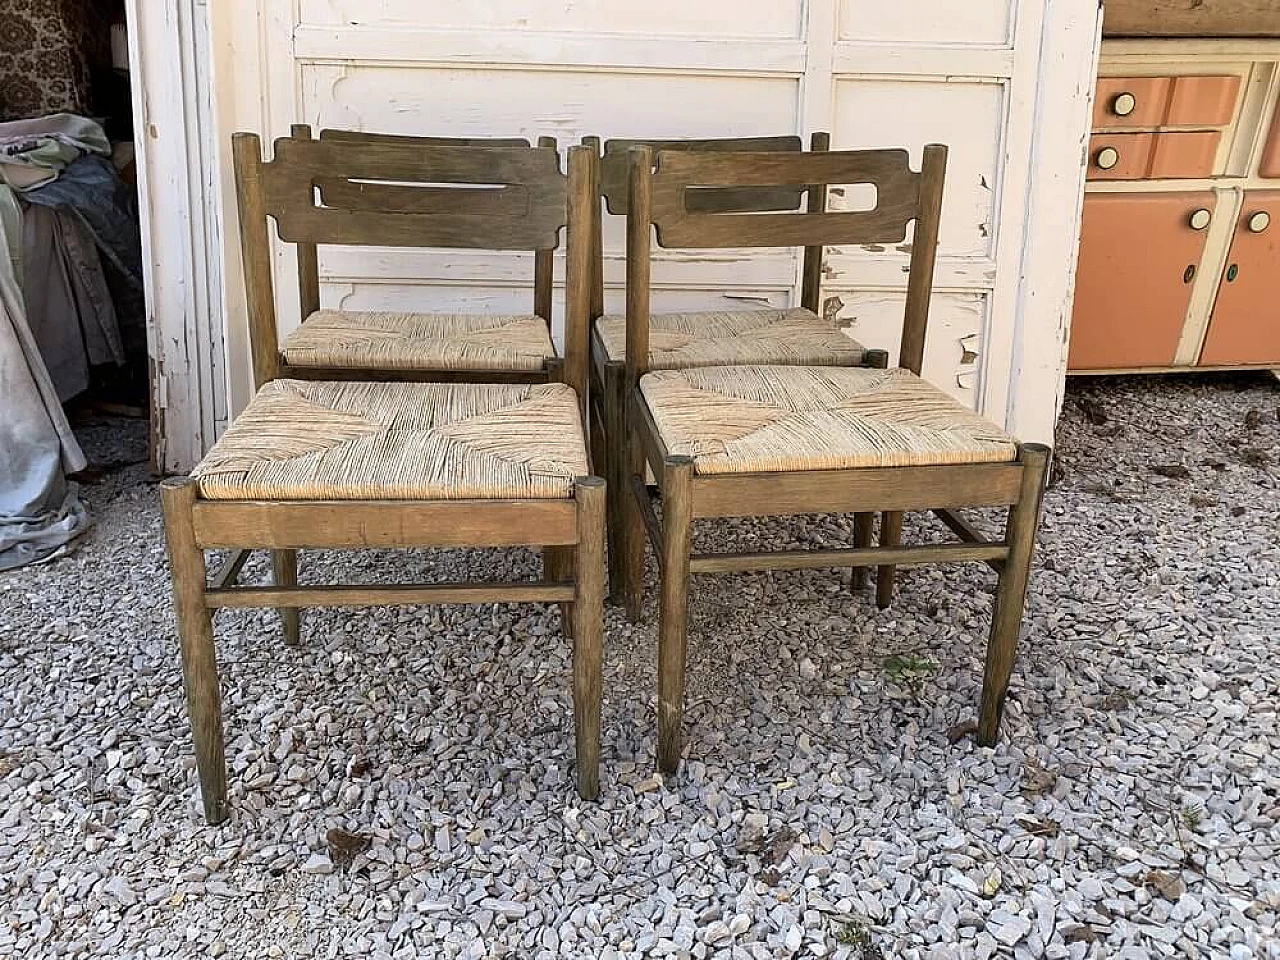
776, 441
750, 335
339, 344
344, 464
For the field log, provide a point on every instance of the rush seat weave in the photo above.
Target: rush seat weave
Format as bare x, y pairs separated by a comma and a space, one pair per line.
773, 419
319, 440
419, 341
683, 340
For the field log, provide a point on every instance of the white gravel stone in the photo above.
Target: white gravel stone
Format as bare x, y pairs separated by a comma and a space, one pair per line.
818, 797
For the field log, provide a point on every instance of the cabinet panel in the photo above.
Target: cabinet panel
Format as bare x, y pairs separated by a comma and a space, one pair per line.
1183, 155
1203, 101
1270, 166
1246, 316
1119, 156
1138, 257
1131, 101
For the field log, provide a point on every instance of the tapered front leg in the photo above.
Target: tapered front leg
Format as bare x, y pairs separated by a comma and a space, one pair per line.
1006, 620
673, 614
588, 631
195, 635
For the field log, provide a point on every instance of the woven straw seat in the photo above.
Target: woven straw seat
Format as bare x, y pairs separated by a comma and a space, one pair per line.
775, 419
317, 440
680, 341
419, 341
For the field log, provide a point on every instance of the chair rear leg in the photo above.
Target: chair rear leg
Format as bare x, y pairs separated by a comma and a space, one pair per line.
673, 614
284, 570
1002, 647
890, 536
863, 524
618, 487
588, 631
195, 635
557, 566
633, 533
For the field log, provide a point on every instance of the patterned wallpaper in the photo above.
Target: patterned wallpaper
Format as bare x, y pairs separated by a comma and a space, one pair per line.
46, 50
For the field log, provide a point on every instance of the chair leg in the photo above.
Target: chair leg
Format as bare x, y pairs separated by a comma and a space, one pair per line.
890, 536
1011, 593
588, 631
633, 534
557, 565
618, 487
673, 615
195, 635
863, 525
284, 568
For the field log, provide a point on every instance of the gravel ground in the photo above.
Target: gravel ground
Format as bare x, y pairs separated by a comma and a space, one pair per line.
402, 783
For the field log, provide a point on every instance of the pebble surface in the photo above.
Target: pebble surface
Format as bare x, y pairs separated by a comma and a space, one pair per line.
402, 784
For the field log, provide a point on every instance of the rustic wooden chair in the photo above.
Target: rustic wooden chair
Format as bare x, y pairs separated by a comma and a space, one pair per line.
776, 441
335, 344
364, 464
796, 335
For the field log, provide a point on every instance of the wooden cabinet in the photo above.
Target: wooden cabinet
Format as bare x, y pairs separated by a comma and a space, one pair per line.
1246, 315
1180, 246
1139, 254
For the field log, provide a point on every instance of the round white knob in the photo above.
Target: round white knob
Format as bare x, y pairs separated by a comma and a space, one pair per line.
1107, 157
1124, 104
1199, 219
1259, 221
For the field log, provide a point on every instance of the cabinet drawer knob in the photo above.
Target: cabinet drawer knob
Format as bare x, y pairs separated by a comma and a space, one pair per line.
1107, 158
1124, 104
1199, 219
1259, 221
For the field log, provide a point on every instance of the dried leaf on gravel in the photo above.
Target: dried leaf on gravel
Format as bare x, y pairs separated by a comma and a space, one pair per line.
1080, 933
1238, 511
1040, 826
345, 846
961, 730
1037, 780
1253, 457
1093, 411
1174, 471
1252, 420
1168, 885
777, 845
1202, 502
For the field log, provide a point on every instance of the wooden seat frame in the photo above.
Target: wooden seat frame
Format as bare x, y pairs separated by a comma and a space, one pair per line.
570, 531
608, 375
494, 227
656, 200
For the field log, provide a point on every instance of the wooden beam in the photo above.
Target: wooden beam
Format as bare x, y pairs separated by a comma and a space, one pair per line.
373, 595
965, 531
858, 557
361, 524
230, 570
1191, 18
850, 491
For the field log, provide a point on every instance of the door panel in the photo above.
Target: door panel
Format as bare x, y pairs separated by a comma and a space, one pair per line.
1183, 155
1133, 284
1149, 97
1205, 101
1246, 316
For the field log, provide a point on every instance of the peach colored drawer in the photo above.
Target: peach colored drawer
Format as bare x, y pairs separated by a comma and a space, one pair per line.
1188, 155
1202, 101
1119, 156
1270, 166
1131, 101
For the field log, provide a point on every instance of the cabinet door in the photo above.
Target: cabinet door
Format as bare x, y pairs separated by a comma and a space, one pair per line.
1246, 316
1270, 166
1130, 102
1139, 254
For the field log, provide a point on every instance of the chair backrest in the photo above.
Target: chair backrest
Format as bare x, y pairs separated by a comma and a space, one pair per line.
407, 199
660, 187
615, 164
382, 190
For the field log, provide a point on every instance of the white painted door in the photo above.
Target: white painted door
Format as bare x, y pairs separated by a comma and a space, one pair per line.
1005, 83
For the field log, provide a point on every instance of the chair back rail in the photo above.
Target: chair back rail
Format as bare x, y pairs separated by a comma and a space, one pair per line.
663, 184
